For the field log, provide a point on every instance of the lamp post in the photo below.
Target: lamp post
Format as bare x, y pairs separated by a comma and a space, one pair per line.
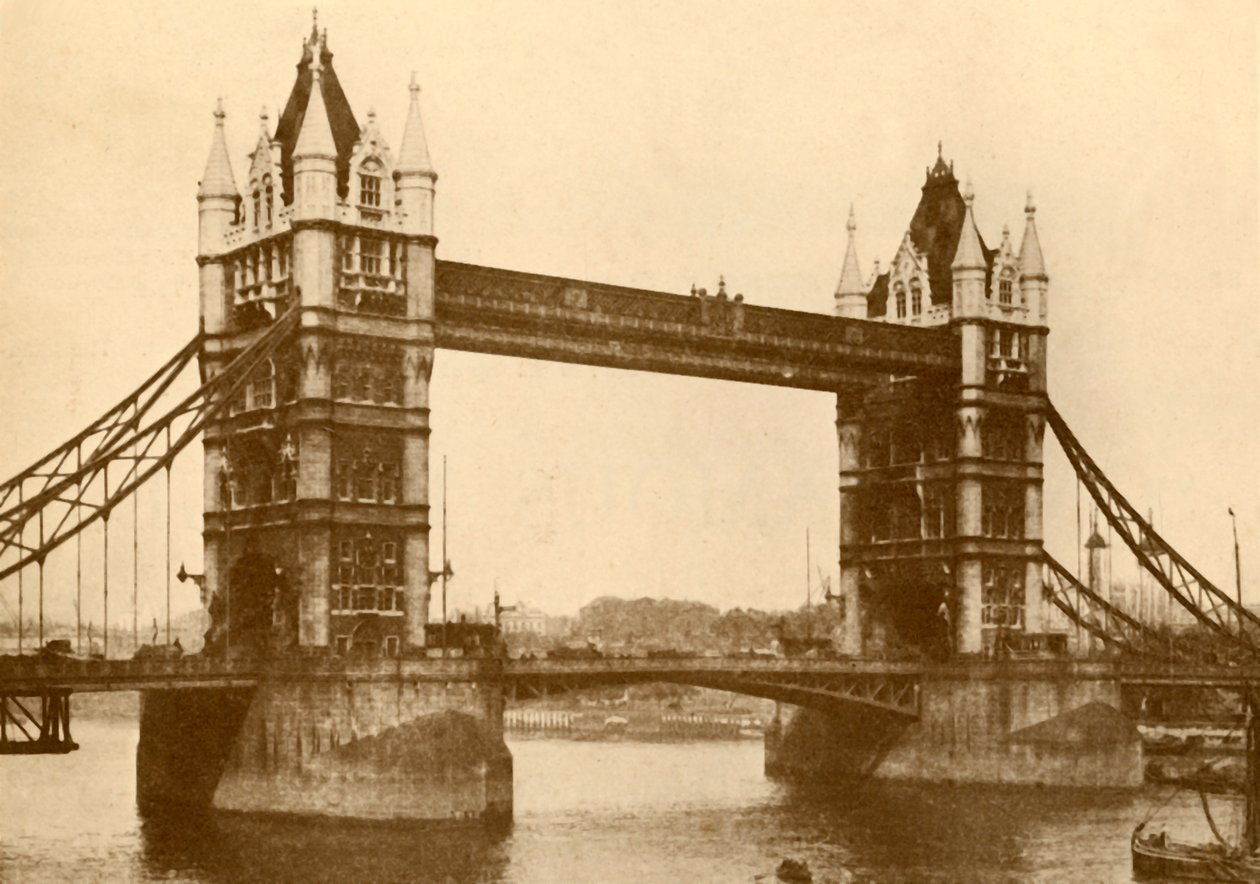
1237, 567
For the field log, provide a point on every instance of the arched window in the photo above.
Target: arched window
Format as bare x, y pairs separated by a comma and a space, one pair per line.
257, 207
900, 291
370, 185
270, 197
916, 297
1005, 286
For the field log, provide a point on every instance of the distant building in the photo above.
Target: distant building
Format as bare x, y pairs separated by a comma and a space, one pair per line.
521, 617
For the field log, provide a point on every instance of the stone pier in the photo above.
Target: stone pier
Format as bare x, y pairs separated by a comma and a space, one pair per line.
414, 740
1035, 723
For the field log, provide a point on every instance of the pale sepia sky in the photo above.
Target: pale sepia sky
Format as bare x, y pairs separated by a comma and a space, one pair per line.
657, 144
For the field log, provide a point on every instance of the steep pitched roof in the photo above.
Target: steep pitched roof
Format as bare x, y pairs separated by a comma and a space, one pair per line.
934, 229
936, 226
877, 297
315, 138
345, 129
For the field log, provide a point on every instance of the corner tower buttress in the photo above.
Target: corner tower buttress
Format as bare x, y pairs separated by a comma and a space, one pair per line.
316, 479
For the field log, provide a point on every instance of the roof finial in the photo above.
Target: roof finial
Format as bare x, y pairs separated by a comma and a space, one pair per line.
219, 113
969, 194
721, 286
940, 149
371, 116
415, 84
852, 223
1029, 208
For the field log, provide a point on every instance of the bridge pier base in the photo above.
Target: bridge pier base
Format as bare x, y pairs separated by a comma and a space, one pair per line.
400, 748
1014, 724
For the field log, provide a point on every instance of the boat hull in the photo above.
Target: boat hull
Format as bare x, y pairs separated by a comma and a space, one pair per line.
1158, 857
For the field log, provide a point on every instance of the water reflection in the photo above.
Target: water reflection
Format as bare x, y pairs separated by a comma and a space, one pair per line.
901, 832
241, 847
613, 813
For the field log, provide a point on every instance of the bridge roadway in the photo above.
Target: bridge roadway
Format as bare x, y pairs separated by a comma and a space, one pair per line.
890, 686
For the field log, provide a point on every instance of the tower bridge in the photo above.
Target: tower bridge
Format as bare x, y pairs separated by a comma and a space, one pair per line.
323, 306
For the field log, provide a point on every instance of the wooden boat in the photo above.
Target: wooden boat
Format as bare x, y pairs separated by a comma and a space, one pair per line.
794, 871
1155, 855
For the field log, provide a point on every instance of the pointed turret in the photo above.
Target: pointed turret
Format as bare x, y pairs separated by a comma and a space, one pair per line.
217, 196
315, 138
416, 178
968, 271
1033, 281
413, 154
1031, 264
315, 156
217, 180
970, 253
851, 292
341, 119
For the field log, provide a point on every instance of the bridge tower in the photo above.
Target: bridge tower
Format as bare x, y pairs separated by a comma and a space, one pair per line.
316, 492
940, 486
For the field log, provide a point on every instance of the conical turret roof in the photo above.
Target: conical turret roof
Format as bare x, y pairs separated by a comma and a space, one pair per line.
315, 139
851, 282
341, 120
217, 179
413, 153
1031, 263
970, 254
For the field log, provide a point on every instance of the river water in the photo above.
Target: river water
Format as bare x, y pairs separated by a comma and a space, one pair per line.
623, 813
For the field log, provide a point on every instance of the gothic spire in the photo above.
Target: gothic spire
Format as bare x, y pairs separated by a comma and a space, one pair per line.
970, 254
217, 180
413, 154
315, 139
850, 275
1031, 264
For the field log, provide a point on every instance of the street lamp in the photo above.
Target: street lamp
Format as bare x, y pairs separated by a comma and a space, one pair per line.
1237, 567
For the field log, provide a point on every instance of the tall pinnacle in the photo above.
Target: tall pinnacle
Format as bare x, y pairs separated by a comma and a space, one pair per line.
217, 180
969, 254
1031, 264
315, 138
850, 274
413, 153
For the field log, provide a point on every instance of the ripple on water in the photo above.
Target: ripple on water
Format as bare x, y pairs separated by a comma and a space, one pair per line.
615, 813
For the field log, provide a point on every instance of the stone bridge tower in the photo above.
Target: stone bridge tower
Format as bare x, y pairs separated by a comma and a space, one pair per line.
316, 491
940, 487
